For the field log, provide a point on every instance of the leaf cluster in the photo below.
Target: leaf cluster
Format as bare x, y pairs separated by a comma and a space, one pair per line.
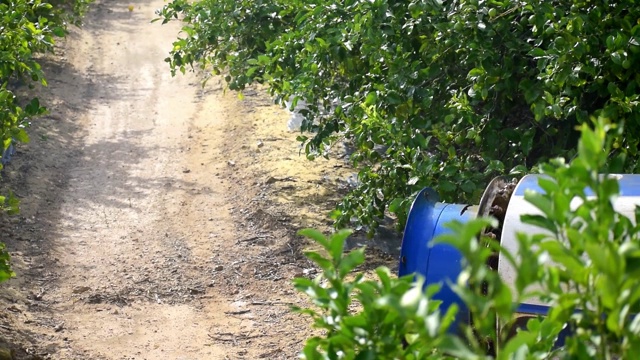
428, 93
380, 318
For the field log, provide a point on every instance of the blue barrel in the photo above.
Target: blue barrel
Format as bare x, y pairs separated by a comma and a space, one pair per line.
437, 264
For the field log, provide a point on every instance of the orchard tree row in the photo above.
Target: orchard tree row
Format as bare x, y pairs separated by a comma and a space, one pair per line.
27, 28
446, 94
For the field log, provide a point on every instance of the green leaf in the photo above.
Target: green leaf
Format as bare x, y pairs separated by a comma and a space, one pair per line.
536, 53
526, 143
549, 186
447, 185
605, 259
561, 255
452, 152
59, 31
371, 99
540, 201
503, 299
321, 42
519, 343
21, 135
321, 261
518, 170
336, 243
251, 71
540, 221
315, 235
538, 110
468, 186
5, 269
395, 205
454, 346
264, 59
351, 261
462, 233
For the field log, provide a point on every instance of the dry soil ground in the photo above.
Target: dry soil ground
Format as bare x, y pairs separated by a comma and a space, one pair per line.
158, 217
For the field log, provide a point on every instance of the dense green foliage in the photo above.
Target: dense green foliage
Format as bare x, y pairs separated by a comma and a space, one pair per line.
440, 94
27, 28
584, 263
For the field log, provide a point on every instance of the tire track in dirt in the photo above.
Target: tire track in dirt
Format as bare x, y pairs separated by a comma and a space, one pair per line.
129, 273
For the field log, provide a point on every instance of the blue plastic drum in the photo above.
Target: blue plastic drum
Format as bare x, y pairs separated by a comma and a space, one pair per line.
437, 264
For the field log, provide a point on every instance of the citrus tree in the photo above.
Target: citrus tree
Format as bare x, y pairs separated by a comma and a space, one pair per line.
27, 28
429, 93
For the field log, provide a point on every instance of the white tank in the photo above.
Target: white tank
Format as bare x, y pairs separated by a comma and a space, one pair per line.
625, 203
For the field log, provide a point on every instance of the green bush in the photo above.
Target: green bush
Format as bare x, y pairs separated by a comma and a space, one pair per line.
585, 263
440, 94
27, 28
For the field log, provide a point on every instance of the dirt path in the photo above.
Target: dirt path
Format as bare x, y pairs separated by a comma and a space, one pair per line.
158, 218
